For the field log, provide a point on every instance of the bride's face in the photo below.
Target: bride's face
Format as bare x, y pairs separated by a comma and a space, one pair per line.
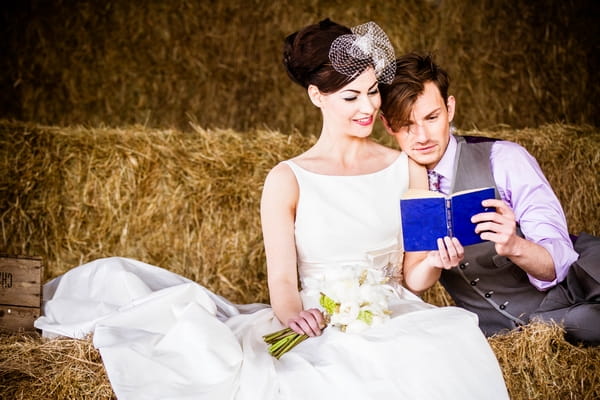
352, 109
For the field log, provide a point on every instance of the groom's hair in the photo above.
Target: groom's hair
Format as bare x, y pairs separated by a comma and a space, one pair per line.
413, 70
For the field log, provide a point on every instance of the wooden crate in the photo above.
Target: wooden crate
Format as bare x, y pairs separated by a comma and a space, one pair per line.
20, 292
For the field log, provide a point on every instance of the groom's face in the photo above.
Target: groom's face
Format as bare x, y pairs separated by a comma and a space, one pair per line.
425, 136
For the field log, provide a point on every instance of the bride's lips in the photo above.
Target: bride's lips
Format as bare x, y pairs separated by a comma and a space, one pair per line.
364, 121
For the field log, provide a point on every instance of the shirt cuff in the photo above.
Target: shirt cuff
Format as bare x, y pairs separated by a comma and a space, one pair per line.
563, 255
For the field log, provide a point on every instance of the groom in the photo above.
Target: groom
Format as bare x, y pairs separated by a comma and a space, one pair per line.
528, 267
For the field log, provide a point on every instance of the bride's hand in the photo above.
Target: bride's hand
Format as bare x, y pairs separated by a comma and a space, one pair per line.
449, 253
309, 322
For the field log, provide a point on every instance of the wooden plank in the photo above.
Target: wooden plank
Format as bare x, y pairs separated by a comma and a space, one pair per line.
15, 318
21, 281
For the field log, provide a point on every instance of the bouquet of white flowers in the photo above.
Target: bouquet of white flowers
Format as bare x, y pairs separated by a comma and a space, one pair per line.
353, 301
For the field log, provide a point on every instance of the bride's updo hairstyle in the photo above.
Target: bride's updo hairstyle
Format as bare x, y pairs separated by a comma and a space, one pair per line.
306, 56
329, 55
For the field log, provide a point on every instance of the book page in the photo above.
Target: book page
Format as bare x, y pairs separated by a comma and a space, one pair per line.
471, 190
420, 194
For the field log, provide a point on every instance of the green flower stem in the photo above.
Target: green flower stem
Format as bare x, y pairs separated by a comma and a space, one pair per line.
291, 344
282, 341
273, 337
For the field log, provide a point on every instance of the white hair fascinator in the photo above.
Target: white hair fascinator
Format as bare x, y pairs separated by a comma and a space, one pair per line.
368, 45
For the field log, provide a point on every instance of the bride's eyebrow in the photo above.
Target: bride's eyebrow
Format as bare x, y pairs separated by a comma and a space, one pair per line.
358, 91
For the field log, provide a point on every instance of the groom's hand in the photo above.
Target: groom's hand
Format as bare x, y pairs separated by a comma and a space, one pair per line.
498, 226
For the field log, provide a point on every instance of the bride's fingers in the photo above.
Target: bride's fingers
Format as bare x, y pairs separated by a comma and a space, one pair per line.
455, 251
450, 248
460, 251
318, 315
308, 322
299, 325
443, 253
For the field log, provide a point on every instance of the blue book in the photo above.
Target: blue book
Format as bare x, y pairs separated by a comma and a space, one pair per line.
427, 216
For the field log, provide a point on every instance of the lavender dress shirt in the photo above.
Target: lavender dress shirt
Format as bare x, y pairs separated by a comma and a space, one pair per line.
528, 192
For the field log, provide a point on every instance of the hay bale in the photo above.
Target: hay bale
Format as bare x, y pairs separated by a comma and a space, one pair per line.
537, 363
31, 368
162, 63
189, 202
508, 60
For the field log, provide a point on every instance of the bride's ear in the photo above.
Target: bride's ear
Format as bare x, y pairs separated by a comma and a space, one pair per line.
315, 95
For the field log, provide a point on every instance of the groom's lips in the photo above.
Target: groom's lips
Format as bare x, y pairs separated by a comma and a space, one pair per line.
425, 149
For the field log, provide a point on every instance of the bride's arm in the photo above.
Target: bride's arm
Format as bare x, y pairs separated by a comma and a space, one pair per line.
418, 275
422, 269
278, 213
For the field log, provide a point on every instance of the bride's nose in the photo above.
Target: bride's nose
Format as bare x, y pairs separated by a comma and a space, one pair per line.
369, 105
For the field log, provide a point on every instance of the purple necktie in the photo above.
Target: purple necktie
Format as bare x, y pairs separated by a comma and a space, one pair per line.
434, 180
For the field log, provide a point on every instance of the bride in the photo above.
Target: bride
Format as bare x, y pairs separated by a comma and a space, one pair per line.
330, 218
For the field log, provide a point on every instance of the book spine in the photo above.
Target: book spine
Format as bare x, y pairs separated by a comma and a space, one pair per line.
449, 217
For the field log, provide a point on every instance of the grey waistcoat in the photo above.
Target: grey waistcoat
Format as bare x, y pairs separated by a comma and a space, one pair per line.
492, 286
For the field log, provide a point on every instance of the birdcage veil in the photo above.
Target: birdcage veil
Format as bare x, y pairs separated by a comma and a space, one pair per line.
367, 45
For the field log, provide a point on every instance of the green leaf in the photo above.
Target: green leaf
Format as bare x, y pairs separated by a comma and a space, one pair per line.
365, 316
330, 306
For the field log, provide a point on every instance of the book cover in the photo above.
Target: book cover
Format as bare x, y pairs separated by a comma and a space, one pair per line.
427, 216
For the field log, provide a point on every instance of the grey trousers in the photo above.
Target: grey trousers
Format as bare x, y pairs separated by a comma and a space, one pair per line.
575, 302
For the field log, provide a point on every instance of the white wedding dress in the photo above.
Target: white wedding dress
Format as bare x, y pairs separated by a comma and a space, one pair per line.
162, 336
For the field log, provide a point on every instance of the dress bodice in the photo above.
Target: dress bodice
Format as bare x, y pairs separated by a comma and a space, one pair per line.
349, 220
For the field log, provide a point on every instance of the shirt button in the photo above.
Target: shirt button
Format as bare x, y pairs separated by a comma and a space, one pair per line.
474, 282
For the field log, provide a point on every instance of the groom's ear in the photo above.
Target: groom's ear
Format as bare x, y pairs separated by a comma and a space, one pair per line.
386, 125
451, 107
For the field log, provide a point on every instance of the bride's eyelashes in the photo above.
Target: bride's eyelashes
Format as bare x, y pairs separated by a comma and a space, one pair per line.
370, 93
